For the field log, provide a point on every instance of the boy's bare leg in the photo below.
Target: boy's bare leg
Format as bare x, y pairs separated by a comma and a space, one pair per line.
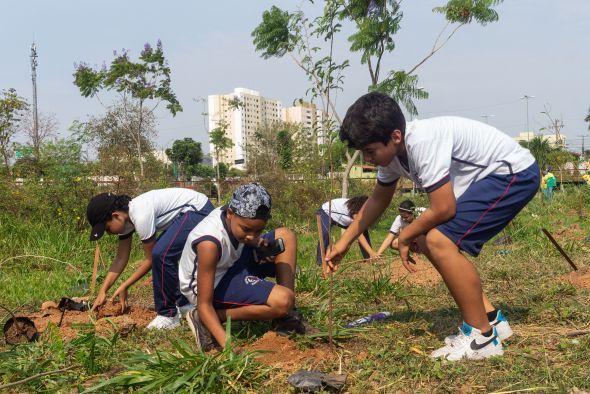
286, 261
282, 297
421, 241
459, 275
279, 303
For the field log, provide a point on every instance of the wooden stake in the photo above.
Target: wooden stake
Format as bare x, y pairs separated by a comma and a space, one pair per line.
554, 242
322, 246
95, 268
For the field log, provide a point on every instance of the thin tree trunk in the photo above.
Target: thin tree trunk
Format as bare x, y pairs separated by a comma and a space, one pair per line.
345, 178
139, 139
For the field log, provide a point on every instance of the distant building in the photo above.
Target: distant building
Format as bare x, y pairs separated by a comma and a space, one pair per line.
308, 115
162, 157
553, 142
244, 111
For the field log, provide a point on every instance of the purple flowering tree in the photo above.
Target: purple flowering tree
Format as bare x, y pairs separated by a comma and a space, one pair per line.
144, 81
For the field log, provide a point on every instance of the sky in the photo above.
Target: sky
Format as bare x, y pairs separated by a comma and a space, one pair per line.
537, 48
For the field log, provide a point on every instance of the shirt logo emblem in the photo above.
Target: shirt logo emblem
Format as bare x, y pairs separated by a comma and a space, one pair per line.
251, 280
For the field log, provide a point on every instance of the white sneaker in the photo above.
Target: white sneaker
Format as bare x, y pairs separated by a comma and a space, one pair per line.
164, 323
183, 310
470, 344
503, 329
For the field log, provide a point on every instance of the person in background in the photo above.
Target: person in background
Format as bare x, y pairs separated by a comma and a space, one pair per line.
173, 213
343, 211
407, 213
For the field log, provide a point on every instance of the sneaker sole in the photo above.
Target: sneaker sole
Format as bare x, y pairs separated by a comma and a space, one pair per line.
194, 329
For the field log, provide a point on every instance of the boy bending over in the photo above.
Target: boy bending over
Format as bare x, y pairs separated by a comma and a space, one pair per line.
477, 179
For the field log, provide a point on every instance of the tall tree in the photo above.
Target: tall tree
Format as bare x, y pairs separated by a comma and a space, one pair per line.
12, 108
374, 24
47, 126
185, 153
114, 136
146, 80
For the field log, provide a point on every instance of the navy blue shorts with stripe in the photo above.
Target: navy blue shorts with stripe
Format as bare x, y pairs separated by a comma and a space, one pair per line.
243, 284
487, 206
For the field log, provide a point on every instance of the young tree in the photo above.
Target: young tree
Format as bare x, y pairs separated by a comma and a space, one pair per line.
145, 80
221, 143
12, 107
375, 23
185, 153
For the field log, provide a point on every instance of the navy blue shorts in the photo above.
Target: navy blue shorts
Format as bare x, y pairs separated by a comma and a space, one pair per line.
243, 284
487, 206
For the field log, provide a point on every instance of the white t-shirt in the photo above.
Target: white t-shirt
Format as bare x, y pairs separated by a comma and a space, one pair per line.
457, 149
399, 224
156, 210
212, 228
339, 211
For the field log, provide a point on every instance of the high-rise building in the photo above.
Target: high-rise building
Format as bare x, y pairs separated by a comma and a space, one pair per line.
244, 111
309, 116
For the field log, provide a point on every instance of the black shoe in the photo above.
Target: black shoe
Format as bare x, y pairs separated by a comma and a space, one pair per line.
292, 322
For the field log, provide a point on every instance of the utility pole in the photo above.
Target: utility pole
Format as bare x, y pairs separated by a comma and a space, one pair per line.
527, 98
583, 151
35, 114
556, 125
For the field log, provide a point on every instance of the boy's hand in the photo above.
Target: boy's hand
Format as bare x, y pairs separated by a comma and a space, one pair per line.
100, 300
334, 256
404, 252
122, 294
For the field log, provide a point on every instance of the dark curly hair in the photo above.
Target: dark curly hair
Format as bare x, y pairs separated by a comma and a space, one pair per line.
407, 206
354, 204
121, 203
372, 118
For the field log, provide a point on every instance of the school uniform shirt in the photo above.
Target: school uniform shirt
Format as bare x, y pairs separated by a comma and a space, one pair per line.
454, 149
339, 212
156, 210
399, 224
213, 228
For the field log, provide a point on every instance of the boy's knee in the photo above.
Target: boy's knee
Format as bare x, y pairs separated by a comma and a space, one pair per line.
284, 301
288, 235
436, 241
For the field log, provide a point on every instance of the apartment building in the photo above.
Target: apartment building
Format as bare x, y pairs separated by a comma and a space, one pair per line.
243, 111
308, 115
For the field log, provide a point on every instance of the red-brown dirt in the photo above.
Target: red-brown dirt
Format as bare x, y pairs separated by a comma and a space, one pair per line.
281, 352
133, 318
580, 278
425, 275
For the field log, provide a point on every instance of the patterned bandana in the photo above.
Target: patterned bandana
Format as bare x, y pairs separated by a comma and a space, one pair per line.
251, 201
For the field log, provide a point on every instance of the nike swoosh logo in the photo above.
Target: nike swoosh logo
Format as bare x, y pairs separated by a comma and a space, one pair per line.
477, 346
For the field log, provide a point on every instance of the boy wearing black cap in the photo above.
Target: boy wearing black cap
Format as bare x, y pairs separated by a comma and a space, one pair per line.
173, 212
222, 272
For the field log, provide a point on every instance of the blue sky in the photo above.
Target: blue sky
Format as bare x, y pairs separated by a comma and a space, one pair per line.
538, 47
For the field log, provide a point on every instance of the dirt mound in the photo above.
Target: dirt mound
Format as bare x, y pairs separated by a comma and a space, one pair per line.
580, 278
281, 352
108, 319
572, 232
425, 275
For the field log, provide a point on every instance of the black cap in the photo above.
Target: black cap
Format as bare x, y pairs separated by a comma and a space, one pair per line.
98, 212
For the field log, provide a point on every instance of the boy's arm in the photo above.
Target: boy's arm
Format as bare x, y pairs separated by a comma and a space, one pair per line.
118, 265
208, 259
144, 268
442, 208
386, 243
375, 205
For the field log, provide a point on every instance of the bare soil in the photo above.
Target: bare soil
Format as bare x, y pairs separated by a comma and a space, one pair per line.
108, 319
571, 232
282, 353
425, 275
19, 330
580, 278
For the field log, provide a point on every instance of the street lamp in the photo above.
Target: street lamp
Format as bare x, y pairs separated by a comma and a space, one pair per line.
528, 135
486, 117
